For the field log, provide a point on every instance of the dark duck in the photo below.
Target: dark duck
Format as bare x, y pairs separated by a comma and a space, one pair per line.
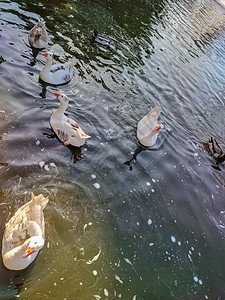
215, 150
96, 37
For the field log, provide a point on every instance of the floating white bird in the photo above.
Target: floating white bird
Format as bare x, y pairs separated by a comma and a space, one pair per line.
24, 234
58, 73
66, 129
38, 37
148, 128
100, 39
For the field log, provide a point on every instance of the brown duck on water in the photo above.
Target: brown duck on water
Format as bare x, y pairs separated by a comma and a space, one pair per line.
215, 150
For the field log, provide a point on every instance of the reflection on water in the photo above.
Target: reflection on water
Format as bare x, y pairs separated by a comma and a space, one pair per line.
155, 232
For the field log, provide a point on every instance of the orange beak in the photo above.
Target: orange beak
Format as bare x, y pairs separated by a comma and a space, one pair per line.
56, 94
45, 54
36, 32
158, 127
29, 251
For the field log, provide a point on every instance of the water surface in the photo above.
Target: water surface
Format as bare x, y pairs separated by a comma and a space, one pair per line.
155, 227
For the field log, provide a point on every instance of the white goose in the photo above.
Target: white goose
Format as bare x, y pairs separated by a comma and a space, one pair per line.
24, 234
66, 129
148, 128
38, 37
58, 73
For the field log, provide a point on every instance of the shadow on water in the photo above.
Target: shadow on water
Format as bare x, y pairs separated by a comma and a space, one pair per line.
138, 150
13, 281
35, 53
155, 231
75, 152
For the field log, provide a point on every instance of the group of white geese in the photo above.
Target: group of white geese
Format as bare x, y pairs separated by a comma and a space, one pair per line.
25, 232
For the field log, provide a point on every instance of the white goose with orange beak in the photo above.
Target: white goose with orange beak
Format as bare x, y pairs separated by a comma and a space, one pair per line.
24, 234
148, 128
38, 37
58, 73
66, 129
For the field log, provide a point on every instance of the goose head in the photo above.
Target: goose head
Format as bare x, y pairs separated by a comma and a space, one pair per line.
95, 31
62, 98
158, 128
36, 243
38, 32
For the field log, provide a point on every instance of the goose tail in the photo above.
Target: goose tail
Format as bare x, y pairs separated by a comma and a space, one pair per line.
40, 199
71, 63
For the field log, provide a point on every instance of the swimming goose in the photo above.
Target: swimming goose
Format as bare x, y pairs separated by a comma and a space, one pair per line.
100, 39
66, 129
24, 234
215, 150
148, 128
58, 73
38, 37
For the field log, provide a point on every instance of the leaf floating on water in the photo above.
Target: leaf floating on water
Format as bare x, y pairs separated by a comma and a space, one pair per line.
47, 168
2, 59
94, 258
128, 261
119, 279
41, 164
52, 164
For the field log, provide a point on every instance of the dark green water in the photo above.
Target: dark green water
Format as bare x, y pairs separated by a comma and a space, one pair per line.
155, 228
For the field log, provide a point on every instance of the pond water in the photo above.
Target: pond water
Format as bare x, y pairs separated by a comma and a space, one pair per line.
122, 222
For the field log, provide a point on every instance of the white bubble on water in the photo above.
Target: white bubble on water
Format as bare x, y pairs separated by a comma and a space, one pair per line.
128, 261
195, 278
96, 185
106, 293
173, 239
149, 221
95, 273
93, 176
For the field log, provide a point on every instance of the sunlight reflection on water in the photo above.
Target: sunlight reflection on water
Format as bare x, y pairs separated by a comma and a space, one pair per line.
123, 222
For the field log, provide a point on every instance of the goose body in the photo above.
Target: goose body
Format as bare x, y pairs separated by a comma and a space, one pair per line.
24, 234
38, 37
100, 39
58, 73
148, 128
215, 150
66, 129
